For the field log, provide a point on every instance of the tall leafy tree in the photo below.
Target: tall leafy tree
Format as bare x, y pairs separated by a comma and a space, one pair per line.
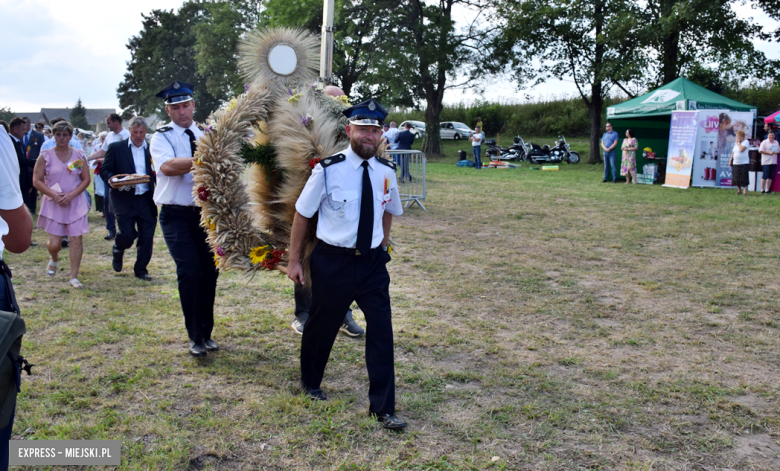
216, 44
162, 52
78, 116
686, 34
595, 43
424, 54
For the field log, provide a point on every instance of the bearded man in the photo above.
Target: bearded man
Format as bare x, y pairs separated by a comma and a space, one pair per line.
356, 194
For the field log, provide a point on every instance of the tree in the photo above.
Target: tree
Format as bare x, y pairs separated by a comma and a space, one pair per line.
423, 54
595, 43
78, 116
686, 34
6, 114
164, 51
216, 44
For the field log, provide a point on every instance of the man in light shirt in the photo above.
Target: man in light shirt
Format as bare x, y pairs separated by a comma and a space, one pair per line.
118, 133
173, 147
769, 149
134, 206
15, 236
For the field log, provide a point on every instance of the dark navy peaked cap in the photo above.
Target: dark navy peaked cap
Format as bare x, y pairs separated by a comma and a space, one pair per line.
177, 92
368, 113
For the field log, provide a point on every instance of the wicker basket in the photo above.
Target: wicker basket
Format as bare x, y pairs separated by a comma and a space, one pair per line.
119, 184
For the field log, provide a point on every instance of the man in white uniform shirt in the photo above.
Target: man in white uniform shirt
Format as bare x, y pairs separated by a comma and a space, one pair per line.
134, 206
15, 236
173, 147
356, 196
118, 133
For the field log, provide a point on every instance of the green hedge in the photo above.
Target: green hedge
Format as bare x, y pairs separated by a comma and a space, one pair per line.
543, 118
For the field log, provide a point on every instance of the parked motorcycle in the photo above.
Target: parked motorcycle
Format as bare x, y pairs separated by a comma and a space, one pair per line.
516, 151
560, 152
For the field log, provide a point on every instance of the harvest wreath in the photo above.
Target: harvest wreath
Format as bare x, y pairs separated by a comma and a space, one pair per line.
271, 136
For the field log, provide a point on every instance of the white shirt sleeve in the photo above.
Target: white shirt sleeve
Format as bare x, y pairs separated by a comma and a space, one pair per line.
313, 193
161, 150
394, 206
10, 193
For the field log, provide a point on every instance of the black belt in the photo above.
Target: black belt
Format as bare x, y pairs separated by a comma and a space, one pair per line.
327, 248
179, 207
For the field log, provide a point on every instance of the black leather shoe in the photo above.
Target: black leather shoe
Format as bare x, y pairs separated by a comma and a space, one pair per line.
110, 236
315, 394
65, 242
197, 349
116, 262
210, 344
33, 244
144, 277
390, 421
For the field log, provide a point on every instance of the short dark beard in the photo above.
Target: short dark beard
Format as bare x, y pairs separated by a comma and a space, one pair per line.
364, 151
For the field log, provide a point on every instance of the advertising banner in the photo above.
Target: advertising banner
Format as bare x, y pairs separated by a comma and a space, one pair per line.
682, 145
716, 134
729, 123
705, 165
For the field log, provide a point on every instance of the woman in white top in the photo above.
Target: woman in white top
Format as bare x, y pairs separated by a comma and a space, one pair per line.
739, 163
476, 139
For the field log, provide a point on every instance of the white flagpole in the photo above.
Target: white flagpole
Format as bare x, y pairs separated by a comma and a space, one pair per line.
326, 52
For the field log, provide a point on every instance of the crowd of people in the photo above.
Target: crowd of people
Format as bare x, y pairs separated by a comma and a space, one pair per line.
739, 158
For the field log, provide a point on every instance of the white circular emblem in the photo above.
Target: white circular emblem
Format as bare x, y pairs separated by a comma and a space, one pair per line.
176, 85
372, 106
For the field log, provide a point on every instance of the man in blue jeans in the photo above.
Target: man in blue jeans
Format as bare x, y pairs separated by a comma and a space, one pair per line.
608, 143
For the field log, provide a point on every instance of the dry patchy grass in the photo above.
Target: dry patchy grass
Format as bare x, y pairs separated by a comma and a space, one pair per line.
542, 318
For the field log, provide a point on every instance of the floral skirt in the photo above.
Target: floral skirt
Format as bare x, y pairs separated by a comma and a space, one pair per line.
628, 166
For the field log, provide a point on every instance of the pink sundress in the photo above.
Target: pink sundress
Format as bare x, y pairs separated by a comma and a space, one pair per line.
59, 220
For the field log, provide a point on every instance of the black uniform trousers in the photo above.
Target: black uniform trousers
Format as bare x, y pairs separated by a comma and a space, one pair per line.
197, 275
139, 226
338, 277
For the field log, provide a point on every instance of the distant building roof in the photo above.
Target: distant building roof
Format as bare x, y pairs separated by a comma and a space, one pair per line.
34, 116
94, 115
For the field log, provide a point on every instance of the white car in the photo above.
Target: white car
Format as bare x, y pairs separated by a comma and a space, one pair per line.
415, 127
453, 130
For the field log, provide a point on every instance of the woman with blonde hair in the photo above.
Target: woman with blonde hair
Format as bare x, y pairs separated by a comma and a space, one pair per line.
739, 163
61, 174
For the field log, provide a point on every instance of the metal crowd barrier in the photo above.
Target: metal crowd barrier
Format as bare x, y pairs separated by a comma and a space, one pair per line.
410, 171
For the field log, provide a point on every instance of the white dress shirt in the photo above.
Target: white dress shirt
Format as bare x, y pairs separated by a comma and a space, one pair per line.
114, 137
52, 143
140, 165
165, 146
392, 138
10, 194
339, 204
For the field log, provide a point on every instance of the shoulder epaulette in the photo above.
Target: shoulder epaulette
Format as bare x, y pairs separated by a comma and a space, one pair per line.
333, 159
165, 129
386, 162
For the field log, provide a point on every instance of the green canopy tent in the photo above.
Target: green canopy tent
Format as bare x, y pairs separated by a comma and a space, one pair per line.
649, 115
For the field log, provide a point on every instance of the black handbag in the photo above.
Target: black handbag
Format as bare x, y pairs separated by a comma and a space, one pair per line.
12, 363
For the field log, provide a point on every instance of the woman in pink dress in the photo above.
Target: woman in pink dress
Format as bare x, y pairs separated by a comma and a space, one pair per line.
61, 175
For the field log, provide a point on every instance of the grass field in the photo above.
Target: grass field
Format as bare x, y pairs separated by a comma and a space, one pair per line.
543, 321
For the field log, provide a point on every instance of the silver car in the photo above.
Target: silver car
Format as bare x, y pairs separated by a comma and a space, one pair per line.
453, 130
415, 127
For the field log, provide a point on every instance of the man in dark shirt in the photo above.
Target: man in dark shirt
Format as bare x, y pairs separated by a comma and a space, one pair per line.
405, 141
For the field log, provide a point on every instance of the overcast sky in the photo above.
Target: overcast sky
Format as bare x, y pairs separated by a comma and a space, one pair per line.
55, 52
